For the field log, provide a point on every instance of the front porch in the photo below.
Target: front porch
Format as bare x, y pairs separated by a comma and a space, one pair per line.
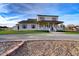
49, 25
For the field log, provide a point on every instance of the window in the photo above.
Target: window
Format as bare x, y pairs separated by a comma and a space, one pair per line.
54, 19
33, 26
42, 18
24, 26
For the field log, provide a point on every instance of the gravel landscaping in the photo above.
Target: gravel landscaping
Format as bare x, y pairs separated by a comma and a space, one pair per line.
7, 45
48, 48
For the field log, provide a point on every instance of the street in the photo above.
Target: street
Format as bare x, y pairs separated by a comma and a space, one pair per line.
47, 36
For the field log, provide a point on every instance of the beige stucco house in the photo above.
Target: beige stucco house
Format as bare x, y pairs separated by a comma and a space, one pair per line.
42, 22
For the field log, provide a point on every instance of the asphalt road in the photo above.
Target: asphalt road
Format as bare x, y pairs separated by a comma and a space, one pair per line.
47, 36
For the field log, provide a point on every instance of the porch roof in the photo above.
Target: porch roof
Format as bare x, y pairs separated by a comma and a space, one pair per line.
29, 21
42, 21
56, 22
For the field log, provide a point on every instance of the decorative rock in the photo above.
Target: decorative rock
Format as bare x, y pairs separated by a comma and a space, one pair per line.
48, 48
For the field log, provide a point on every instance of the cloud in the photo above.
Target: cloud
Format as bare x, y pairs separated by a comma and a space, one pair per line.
4, 22
3, 8
8, 23
14, 12
70, 19
20, 10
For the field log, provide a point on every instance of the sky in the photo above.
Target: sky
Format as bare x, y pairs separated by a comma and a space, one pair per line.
12, 13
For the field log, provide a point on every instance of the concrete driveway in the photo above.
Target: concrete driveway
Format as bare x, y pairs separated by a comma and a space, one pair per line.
47, 36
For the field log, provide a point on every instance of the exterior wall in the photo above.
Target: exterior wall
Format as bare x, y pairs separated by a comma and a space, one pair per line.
47, 18
28, 27
37, 27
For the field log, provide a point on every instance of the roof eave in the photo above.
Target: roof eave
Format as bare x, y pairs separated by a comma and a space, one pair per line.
49, 15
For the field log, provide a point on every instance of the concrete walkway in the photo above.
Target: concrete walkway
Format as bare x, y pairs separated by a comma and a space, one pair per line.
45, 36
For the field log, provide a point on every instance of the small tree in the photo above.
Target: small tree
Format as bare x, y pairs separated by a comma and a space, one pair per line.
71, 27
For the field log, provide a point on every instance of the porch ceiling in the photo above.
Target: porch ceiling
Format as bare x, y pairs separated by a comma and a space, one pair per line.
52, 22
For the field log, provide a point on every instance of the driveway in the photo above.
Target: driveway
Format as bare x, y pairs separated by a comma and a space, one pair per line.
45, 36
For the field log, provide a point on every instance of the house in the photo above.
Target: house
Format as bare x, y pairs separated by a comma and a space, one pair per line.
42, 22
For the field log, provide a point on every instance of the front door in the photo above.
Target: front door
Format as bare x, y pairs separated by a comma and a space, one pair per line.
52, 29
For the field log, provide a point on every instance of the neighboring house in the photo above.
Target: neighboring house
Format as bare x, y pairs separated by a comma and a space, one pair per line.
43, 22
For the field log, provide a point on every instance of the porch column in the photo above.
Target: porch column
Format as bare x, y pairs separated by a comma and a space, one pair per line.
38, 27
49, 27
54, 27
17, 27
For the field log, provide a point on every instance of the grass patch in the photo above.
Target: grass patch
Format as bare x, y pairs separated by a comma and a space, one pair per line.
23, 32
70, 32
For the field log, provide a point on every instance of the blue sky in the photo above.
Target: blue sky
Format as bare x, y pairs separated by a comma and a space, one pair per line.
11, 13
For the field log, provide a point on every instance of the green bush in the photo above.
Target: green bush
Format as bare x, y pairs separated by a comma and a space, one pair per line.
60, 31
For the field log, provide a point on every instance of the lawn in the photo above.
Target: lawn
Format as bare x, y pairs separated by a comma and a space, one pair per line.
23, 32
71, 32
